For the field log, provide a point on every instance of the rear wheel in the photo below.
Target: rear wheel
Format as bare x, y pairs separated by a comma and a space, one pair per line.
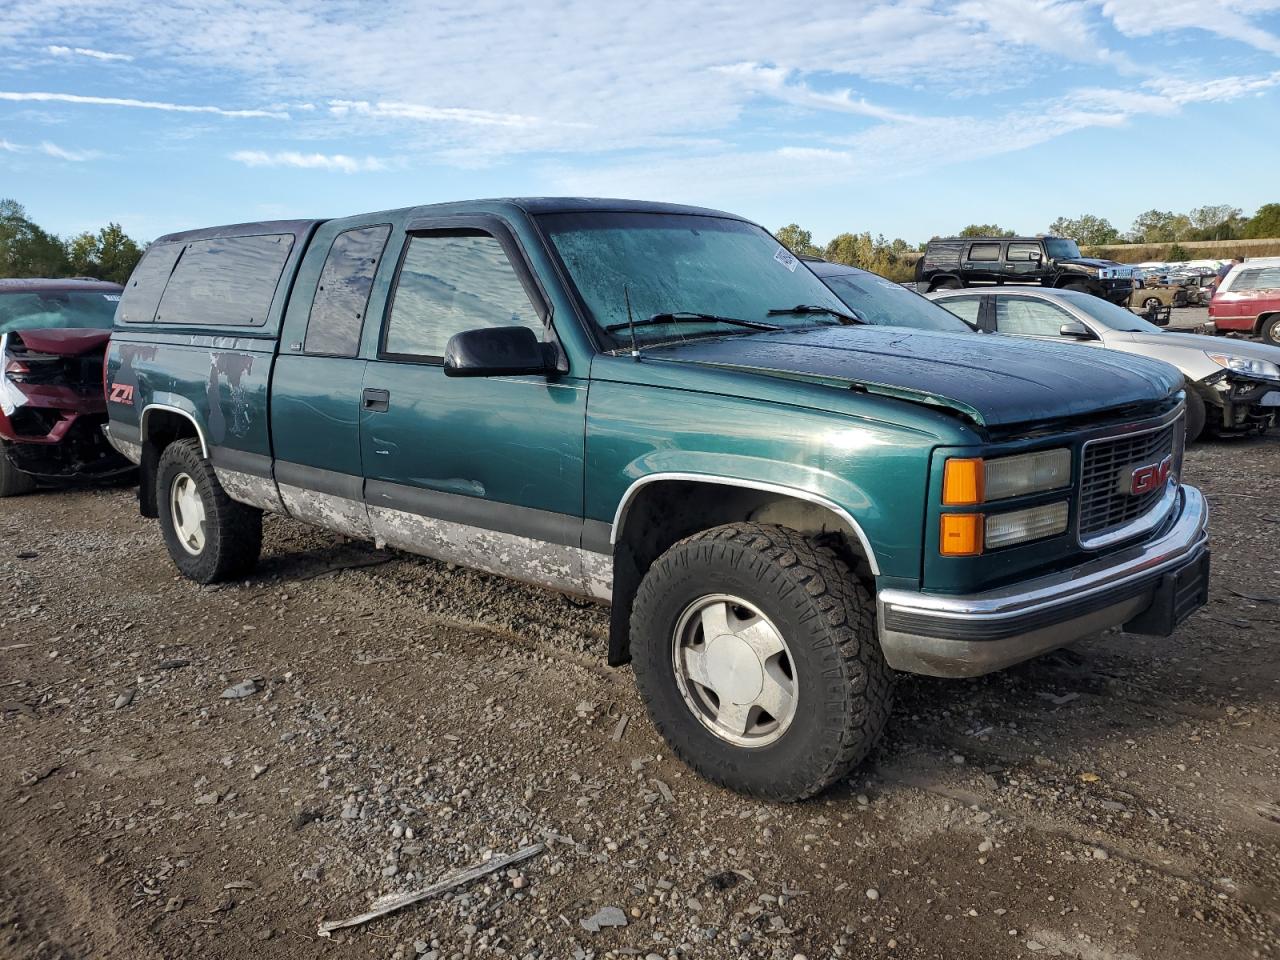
755, 651
1271, 330
13, 482
951, 284
1151, 302
210, 536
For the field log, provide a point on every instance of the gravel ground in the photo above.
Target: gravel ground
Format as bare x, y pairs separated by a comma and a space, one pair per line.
197, 772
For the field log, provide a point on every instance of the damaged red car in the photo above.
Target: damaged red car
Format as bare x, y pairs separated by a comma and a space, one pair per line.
53, 337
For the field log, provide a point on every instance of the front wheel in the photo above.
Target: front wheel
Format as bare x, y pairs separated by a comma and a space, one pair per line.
1196, 412
755, 651
210, 537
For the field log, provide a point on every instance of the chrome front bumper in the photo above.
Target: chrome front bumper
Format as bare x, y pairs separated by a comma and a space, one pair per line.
965, 636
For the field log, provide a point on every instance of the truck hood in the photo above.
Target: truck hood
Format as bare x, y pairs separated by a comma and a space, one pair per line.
64, 342
1093, 263
994, 381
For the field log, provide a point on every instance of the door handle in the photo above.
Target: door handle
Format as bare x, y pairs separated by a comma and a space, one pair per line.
376, 400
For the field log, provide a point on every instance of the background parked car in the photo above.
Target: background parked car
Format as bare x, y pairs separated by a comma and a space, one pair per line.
53, 339
873, 299
1230, 388
1248, 299
1160, 295
1035, 261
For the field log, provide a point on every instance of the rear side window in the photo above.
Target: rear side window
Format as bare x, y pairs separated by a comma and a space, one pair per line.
342, 293
984, 251
1257, 278
146, 285
942, 254
451, 282
966, 308
225, 281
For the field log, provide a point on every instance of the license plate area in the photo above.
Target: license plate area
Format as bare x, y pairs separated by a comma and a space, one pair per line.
1178, 595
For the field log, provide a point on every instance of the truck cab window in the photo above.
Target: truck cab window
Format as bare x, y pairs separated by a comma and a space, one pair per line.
342, 293
449, 283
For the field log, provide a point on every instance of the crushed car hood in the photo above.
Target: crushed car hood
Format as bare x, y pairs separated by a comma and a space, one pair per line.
994, 381
64, 342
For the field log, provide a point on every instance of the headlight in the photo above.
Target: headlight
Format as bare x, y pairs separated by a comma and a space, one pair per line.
1246, 365
969, 481
1019, 526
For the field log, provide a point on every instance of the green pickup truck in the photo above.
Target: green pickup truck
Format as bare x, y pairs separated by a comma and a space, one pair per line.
661, 408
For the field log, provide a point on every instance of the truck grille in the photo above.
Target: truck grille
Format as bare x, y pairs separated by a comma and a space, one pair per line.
1107, 505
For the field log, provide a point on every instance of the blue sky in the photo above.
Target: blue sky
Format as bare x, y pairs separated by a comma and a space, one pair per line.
908, 119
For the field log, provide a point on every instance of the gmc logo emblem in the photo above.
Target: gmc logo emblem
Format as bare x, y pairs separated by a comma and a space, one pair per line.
1151, 477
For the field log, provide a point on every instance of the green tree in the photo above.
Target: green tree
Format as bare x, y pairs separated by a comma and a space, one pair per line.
25, 249
797, 240
1216, 222
1177, 253
1086, 230
986, 230
110, 255
1161, 226
1263, 225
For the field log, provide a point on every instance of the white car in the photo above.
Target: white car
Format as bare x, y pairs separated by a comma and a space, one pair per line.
1232, 385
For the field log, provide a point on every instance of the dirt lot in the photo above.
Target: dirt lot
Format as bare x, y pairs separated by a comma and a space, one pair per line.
1114, 802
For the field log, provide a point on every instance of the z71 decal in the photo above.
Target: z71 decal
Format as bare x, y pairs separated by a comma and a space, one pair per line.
121, 393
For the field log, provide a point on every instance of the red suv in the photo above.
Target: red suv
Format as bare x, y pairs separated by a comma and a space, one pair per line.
53, 337
1248, 299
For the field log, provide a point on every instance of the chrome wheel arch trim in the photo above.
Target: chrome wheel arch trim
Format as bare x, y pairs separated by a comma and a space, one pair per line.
620, 515
168, 408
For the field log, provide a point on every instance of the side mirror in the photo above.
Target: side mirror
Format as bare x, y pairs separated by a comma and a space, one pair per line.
1075, 330
497, 352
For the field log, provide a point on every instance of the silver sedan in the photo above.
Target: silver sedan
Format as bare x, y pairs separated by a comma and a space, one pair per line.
1232, 385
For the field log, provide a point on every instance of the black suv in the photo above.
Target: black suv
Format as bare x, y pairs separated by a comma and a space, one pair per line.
1046, 261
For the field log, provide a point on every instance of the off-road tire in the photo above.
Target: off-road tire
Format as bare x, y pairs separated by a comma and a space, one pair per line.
1196, 413
827, 617
1079, 287
947, 285
233, 531
1151, 302
1270, 330
13, 482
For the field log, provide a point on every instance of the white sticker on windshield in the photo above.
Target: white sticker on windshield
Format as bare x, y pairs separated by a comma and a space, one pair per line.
786, 259
113, 297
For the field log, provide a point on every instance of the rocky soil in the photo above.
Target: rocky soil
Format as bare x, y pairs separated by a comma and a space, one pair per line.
196, 772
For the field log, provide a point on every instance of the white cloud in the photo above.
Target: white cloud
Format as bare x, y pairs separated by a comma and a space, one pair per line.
782, 84
25, 97
59, 51
1229, 19
52, 150
423, 112
335, 162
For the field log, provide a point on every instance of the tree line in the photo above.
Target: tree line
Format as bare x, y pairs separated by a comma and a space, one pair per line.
895, 259
28, 250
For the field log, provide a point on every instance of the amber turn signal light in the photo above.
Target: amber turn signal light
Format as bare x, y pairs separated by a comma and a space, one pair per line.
961, 534
962, 481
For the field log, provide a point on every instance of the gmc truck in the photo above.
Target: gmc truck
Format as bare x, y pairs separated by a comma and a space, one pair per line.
660, 408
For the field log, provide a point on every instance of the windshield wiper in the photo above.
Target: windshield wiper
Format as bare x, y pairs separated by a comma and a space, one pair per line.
685, 316
802, 308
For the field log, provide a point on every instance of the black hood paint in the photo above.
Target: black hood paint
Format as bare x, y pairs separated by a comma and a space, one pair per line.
995, 381
1092, 263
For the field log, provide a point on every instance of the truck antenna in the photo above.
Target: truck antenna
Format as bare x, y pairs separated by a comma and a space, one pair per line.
631, 323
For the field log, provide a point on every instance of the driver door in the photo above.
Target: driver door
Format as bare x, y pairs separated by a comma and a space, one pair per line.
471, 469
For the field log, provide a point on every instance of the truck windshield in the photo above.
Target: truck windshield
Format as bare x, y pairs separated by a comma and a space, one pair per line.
881, 301
52, 309
1059, 249
683, 265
